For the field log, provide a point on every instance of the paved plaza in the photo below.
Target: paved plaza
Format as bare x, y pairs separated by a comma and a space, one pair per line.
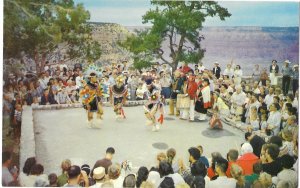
62, 134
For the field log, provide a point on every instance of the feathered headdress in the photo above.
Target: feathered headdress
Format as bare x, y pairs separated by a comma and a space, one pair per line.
92, 68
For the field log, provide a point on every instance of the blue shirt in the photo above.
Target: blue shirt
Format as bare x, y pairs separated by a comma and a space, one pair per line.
204, 160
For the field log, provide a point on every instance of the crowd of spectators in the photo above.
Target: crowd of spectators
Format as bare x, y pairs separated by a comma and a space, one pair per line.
267, 112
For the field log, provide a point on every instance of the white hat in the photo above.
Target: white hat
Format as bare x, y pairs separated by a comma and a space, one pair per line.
287, 61
246, 148
99, 173
295, 66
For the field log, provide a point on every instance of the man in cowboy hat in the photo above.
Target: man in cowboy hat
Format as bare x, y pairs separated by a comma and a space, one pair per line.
286, 77
295, 78
217, 70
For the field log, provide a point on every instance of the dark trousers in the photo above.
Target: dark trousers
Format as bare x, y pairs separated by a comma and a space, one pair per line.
286, 84
295, 85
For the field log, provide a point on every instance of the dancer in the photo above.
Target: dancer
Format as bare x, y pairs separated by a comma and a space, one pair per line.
118, 94
153, 106
203, 102
91, 95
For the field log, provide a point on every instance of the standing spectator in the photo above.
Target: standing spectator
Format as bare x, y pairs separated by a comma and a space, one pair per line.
238, 73
106, 161
133, 85
79, 81
17, 121
264, 77
286, 73
63, 97
47, 98
228, 71
7, 176
295, 78
256, 73
165, 82
274, 69
217, 70
201, 68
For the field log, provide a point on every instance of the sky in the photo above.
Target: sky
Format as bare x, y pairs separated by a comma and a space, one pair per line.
250, 13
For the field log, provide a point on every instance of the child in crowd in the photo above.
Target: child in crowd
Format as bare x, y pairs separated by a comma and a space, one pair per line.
17, 121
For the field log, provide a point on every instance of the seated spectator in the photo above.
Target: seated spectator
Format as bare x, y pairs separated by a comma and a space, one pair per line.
63, 97
171, 153
232, 156
63, 178
52, 180
166, 171
142, 176
36, 173
271, 164
154, 178
247, 159
147, 184
237, 173
198, 173
129, 181
29, 163
202, 158
287, 174
167, 182
256, 143
114, 174
211, 170
257, 169
75, 175
265, 179
222, 181
87, 169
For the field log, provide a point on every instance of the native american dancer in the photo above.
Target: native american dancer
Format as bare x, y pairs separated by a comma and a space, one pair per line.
91, 95
153, 106
118, 94
203, 102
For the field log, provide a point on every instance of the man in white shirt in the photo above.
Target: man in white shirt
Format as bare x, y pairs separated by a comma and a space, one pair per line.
228, 71
79, 80
269, 98
222, 180
274, 118
201, 68
43, 81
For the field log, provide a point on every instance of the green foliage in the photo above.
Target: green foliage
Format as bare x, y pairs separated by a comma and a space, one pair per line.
37, 27
177, 24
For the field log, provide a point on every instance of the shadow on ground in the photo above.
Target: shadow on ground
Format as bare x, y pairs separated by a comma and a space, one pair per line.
216, 133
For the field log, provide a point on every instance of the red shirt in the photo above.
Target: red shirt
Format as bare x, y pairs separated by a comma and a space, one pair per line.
185, 69
246, 161
192, 89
